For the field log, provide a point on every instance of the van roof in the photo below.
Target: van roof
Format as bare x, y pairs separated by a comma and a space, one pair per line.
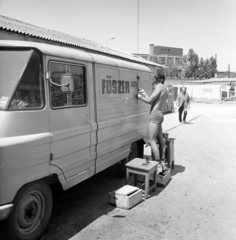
53, 37
75, 54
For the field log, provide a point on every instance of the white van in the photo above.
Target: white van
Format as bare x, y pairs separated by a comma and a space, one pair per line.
64, 113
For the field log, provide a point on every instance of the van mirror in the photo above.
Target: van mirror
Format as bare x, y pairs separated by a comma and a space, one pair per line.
48, 75
67, 83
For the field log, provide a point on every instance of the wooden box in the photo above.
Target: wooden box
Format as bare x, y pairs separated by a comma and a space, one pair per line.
126, 197
162, 180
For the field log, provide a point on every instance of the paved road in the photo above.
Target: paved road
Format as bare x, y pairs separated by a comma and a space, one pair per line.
198, 203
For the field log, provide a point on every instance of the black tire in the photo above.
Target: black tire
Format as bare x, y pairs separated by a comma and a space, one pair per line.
132, 154
31, 212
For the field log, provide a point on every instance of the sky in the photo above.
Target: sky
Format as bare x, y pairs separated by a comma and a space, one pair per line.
206, 26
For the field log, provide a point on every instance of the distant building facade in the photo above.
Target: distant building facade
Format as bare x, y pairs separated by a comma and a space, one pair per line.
168, 56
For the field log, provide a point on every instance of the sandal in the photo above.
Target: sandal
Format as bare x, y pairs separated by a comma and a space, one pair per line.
164, 169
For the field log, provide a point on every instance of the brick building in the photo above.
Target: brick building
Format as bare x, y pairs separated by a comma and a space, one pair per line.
167, 56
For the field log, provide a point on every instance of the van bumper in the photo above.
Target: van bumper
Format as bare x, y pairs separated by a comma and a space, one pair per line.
5, 210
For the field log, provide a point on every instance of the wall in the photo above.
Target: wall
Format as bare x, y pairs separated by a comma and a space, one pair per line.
203, 93
206, 93
161, 50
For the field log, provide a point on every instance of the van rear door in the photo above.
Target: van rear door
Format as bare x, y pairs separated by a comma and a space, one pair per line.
69, 117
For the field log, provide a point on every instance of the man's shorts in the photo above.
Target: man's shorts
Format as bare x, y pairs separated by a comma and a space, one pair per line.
156, 116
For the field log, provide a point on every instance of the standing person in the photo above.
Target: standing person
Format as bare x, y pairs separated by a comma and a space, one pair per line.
157, 100
183, 103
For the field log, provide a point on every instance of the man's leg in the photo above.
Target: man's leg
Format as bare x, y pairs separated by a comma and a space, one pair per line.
161, 141
162, 146
180, 113
185, 115
152, 134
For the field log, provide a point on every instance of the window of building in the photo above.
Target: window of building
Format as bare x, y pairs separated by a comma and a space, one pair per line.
170, 60
178, 60
61, 98
162, 60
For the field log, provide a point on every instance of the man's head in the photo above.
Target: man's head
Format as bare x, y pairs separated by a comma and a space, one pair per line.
159, 78
184, 90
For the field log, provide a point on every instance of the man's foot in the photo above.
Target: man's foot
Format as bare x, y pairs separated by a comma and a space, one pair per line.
161, 167
163, 163
163, 173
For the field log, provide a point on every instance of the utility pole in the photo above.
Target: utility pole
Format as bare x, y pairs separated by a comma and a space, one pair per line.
228, 70
216, 63
138, 31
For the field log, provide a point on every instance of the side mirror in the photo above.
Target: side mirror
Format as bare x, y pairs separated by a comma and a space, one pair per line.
67, 83
48, 75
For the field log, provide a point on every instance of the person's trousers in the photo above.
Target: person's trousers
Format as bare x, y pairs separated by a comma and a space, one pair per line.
181, 110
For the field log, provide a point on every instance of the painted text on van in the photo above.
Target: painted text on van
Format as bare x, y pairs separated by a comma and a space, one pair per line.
114, 86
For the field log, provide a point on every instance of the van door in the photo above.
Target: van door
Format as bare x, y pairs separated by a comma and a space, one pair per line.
70, 124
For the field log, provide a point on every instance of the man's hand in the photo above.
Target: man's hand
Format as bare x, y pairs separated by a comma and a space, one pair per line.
139, 95
142, 92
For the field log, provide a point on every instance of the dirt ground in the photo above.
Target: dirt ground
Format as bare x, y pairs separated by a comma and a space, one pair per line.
198, 203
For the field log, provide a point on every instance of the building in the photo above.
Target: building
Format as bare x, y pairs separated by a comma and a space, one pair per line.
212, 90
168, 56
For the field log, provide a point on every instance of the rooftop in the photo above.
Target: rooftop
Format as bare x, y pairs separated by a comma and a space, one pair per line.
13, 25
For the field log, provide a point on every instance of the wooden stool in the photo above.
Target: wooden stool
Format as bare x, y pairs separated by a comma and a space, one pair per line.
170, 153
140, 166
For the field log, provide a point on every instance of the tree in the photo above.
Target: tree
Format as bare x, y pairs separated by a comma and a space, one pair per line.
172, 70
206, 69
201, 73
192, 62
212, 67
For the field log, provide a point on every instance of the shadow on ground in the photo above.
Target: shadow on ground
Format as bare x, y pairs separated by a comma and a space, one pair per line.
177, 169
188, 123
82, 204
76, 208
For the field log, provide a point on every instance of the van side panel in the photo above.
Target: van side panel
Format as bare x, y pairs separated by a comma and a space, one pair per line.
122, 119
25, 152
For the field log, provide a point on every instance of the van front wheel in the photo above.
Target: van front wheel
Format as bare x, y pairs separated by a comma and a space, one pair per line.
31, 211
132, 154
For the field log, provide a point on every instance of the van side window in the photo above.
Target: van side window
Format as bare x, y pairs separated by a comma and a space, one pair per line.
60, 98
29, 92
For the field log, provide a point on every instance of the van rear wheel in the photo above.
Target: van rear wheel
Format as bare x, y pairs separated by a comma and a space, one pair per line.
132, 155
31, 211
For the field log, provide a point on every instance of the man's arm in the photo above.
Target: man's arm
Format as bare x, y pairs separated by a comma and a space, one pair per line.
177, 100
188, 99
189, 104
156, 92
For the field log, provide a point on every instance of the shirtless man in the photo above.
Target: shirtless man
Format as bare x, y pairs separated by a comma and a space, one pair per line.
157, 100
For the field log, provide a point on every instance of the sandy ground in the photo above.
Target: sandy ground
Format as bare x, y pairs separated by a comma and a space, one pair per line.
198, 203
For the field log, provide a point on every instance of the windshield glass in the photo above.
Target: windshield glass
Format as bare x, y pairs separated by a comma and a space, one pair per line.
12, 65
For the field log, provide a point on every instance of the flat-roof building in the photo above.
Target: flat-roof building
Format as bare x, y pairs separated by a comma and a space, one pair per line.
167, 56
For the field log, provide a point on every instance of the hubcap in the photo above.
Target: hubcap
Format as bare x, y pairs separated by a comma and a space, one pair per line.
30, 212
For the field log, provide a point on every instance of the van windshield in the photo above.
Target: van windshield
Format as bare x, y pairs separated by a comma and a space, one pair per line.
12, 65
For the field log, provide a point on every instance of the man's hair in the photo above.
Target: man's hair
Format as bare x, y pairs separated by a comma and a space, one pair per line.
160, 77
